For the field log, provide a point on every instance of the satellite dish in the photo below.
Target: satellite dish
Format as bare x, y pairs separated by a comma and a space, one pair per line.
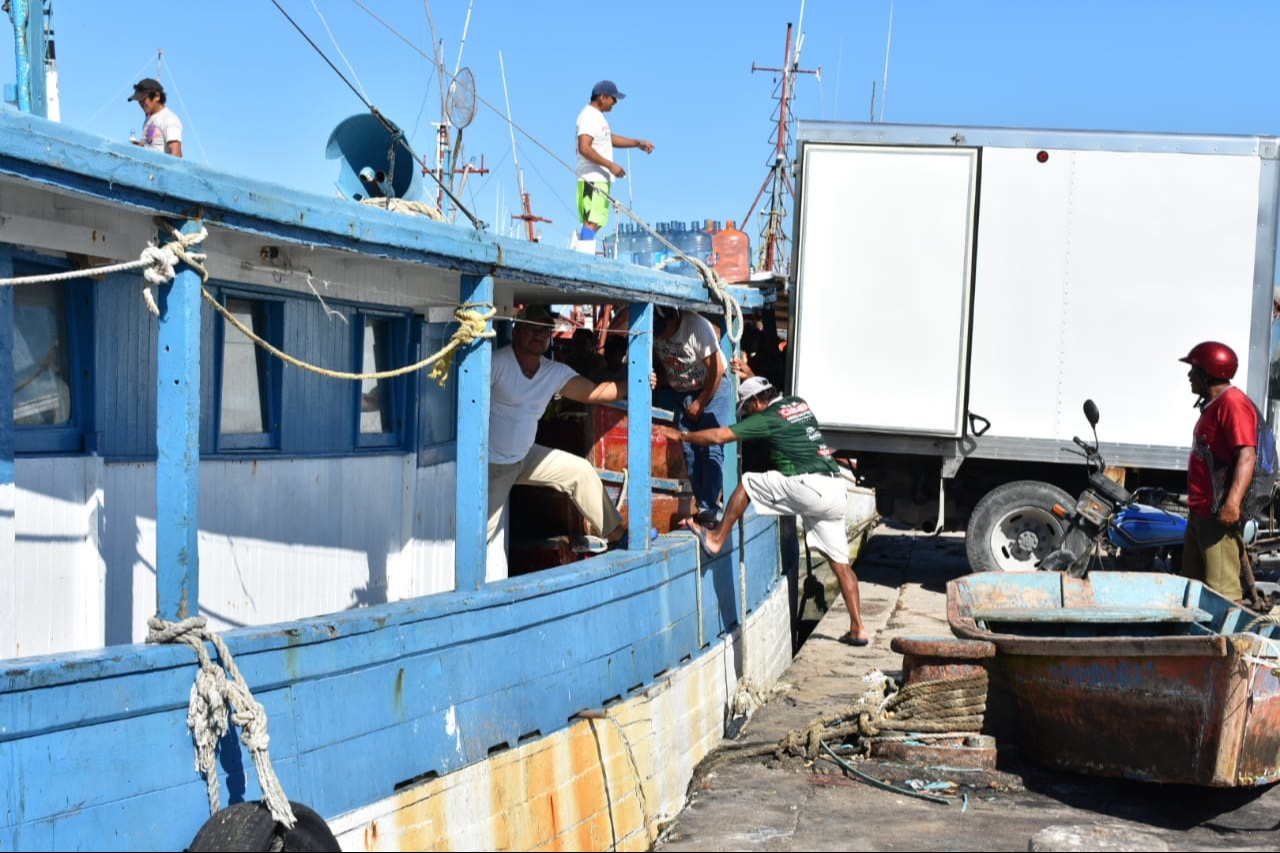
462, 99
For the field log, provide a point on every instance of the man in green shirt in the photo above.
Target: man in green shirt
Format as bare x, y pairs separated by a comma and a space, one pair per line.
804, 481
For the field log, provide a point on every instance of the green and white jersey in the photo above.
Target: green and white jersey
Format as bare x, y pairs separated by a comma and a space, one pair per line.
796, 444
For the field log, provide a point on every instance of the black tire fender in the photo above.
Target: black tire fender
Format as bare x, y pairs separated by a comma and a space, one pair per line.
250, 827
1031, 501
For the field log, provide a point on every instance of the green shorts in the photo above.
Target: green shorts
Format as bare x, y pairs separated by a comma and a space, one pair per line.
593, 203
1211, 553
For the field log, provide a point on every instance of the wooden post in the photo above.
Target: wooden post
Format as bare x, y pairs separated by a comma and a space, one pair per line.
639, 426
178, 443
471, 502
8, 489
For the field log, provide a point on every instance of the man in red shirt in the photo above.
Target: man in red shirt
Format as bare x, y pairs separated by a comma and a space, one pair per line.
1223, 452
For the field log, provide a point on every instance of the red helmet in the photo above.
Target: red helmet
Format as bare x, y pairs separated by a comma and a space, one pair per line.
1217, 360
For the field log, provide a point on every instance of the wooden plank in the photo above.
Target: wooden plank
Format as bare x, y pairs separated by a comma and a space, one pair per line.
178, 443
471, 506
639, 424
8, 488
61, 156
1091, 614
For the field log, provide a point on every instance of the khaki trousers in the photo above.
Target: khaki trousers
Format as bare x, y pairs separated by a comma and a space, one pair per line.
563, 472
1211, 553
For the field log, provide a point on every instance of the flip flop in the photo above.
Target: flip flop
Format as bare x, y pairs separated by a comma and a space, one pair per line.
849, 640
590, 545
701, 533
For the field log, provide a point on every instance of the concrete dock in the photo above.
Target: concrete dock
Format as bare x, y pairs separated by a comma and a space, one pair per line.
771, 804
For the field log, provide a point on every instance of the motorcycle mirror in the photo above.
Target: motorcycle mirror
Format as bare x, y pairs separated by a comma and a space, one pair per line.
1091, 413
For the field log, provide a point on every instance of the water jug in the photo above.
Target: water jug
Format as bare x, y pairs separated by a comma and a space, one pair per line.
733, 253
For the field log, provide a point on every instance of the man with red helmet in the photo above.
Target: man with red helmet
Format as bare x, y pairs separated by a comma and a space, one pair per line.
1223, 452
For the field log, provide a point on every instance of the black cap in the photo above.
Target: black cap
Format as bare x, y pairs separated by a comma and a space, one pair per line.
144, 87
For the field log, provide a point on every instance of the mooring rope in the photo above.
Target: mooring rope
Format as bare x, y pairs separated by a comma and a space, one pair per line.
950, 707
220, 698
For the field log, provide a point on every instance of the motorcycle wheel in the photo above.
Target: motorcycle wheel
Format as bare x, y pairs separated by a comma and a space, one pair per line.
1013, 528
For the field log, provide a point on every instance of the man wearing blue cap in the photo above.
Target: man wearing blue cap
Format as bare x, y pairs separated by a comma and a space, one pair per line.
596, 169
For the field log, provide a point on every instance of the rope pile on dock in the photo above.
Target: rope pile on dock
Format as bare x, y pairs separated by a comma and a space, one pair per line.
953, 707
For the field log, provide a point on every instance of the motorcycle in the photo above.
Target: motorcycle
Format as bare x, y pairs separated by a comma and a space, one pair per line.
1145, 522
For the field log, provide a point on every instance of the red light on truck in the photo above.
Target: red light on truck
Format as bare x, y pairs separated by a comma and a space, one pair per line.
1042, 157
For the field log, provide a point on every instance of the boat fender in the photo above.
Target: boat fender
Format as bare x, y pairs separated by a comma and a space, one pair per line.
250, 827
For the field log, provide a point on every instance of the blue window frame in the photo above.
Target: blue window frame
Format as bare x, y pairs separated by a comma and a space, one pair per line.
52, 363
438, 404
381, 344
248, 377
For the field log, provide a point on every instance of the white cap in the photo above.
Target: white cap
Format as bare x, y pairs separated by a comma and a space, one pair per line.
750, 388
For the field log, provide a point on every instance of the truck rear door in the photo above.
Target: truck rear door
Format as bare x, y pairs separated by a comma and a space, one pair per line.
884, 289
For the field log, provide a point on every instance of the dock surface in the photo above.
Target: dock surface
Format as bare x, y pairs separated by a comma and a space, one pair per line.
768, 804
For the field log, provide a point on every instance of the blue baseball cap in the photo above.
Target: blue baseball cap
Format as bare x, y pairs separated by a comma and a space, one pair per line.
606, 87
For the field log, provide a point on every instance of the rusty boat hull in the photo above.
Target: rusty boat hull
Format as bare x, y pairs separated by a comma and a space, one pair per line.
1137, 675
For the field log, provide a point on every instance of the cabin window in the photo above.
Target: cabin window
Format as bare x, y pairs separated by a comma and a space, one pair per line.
381, 345
438, 424
249, 377
50, 364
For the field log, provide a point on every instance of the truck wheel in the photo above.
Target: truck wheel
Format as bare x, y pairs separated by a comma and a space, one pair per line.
1013, 528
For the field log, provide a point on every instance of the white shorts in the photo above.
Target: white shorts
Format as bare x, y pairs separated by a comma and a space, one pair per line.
817, 498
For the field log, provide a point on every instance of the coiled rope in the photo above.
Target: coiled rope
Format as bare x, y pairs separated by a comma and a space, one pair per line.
399, 205
219, 699
945, 707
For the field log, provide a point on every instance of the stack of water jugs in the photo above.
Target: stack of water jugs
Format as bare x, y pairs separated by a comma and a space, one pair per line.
726, 250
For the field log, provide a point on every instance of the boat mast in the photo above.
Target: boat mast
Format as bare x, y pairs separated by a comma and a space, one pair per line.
33, 52
773, 238
527, 211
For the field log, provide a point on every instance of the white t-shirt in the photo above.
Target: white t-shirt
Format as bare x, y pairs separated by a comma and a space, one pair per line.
683, 355
591, 122
161, 129
517, 402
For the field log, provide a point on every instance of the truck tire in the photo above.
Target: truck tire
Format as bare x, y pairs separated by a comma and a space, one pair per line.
1013, 528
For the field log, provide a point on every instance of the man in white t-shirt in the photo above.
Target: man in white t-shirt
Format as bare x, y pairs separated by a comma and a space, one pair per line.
686, 350
523, 381
596, 169
162, 130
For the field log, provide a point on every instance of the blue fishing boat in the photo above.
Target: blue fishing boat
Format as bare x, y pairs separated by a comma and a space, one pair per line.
169, 491
1129, 674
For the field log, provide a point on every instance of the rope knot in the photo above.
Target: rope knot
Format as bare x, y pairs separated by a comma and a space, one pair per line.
472, 325
220, 698
160, 262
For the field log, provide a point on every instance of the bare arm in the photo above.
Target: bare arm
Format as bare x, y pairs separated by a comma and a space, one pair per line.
593, 156
715, 373
174, 148
701, 438
1240, 478
739, 365
583, 390
627, 142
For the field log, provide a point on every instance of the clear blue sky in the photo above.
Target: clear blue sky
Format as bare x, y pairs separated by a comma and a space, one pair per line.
257, 100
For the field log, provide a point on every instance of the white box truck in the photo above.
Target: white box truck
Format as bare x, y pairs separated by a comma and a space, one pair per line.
960, 291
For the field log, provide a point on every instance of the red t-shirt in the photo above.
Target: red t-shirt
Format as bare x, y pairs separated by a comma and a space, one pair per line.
1227, 423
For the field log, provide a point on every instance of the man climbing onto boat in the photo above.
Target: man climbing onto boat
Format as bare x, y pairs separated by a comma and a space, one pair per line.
1223, 451
691, 373
523, 381
805, 481
595, 168
162, 130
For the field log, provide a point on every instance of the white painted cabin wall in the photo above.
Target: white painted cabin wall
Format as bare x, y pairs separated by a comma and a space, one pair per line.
279, 540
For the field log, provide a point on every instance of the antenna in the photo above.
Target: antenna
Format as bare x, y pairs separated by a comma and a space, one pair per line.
772, 236
527, 216
884, 83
